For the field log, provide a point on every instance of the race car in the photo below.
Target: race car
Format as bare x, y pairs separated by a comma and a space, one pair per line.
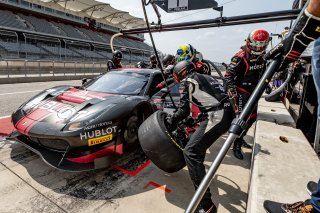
89, 126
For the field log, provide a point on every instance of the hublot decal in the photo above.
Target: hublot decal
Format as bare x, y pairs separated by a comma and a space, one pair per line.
98, 132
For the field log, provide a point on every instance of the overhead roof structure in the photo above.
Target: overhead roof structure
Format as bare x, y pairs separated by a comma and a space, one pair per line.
103, 12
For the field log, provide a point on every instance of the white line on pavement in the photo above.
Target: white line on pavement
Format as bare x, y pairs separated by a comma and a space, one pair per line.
12, 93
5, 116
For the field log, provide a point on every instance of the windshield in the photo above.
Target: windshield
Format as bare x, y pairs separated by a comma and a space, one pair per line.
126, 83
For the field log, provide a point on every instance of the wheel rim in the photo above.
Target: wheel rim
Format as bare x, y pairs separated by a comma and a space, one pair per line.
131, 132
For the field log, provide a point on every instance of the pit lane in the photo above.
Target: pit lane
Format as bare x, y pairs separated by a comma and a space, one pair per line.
133, 184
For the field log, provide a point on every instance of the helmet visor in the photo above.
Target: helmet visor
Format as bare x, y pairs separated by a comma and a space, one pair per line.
180, 52
179, 76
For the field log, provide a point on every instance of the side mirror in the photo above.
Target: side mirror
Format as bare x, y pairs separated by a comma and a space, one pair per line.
84, 81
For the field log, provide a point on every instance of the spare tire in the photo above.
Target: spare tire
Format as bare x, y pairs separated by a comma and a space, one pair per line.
158, 145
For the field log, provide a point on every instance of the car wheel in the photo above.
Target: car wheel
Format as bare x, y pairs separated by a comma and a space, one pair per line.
158, 145
131, 131
206, 67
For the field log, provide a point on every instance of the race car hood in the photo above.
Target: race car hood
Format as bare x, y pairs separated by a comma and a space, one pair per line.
54, 108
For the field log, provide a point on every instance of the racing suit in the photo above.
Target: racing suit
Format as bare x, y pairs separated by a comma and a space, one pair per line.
199, 66
206, 92
242, 76
152, 66
112, 65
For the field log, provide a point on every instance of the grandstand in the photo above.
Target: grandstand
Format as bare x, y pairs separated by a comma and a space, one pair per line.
77, 30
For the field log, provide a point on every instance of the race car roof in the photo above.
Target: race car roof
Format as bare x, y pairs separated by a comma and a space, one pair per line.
102, 12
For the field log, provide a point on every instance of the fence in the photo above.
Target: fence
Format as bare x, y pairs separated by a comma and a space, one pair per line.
10, 68
39, 47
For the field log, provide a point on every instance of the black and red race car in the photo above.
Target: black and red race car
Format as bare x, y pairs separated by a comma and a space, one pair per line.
87, 127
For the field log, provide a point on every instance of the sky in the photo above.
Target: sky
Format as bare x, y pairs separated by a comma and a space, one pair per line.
216, 44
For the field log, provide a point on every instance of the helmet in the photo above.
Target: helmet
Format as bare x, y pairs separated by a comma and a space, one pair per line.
258, 41
153, 59
141, 64
168, 60
182, 70
199, 56
185, 52
117, 55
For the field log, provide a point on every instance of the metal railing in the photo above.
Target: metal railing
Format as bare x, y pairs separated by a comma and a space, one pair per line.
10, 68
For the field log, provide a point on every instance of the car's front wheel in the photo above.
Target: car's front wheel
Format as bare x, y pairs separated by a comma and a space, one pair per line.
131, 131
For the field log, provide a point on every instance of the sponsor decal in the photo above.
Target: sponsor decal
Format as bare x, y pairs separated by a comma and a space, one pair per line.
98, 133
227, 104
256, 67
84, 94
55, 92
99, 140
240, 103
98, 125
63, 111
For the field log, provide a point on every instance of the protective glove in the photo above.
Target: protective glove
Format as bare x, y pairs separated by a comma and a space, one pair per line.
305, 31
189, 121
170, 124
168, 70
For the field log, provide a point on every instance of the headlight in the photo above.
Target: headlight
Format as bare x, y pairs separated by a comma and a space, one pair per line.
79, 120
83, 118
74, 126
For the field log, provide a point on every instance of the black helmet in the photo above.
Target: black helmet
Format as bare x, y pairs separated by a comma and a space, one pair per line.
117, 55
153, 59
182, 70
141, 64
168, 60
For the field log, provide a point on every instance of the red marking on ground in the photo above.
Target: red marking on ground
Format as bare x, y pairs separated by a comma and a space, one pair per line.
104, 152
163, 188
132, 174
6, 127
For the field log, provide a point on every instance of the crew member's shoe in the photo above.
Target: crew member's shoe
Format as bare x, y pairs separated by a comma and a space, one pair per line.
298, 207
246, 145
312, 186
237, 149
206, 207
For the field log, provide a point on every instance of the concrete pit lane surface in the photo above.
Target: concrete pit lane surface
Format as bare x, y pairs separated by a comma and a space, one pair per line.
132, 184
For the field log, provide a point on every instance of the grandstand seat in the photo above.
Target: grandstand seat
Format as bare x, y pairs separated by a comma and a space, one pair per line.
88, 54
93, 35
69, 54
8, 19
71, 31
52, 50
10, 46
40, 49
40, 25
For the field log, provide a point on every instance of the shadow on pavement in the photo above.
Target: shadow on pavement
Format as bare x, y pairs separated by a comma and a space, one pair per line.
109, 184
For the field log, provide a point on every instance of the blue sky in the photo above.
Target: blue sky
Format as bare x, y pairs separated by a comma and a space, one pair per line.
216, 44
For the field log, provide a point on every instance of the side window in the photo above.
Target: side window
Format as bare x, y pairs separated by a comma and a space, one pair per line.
156, 80
174, 90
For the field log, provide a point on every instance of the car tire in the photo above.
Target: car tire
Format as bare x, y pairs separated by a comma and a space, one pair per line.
206, 67
131, 131
158, 145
